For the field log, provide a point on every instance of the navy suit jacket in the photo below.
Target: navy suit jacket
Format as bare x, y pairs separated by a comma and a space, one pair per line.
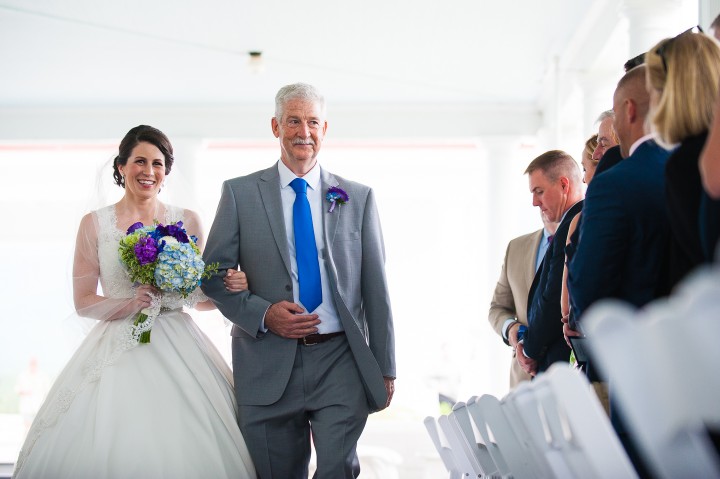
624, 235
544, 339
611, 158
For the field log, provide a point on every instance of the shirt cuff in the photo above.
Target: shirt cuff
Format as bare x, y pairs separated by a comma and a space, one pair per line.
263, 329
522, 341
506, 325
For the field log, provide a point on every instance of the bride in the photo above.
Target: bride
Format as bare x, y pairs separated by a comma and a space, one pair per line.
119, 408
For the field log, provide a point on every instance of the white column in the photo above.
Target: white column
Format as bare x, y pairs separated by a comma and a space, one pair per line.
652, 20
708, 10
598, 88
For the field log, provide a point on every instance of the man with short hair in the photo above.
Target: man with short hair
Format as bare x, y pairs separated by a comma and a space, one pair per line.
625, 227
313, 342
556, 186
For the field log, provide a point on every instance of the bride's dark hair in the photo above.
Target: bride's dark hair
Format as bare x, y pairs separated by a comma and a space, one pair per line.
142, 133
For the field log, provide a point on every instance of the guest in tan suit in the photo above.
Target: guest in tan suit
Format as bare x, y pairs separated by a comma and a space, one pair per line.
508, 308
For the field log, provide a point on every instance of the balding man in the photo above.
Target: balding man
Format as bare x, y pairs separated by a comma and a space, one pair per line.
556, 186
625, 226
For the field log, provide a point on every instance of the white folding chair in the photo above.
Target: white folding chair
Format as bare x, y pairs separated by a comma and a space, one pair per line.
462, 458
511, 454
476, 450
567, 427
578, 422
443, 448
662, 366
522, 406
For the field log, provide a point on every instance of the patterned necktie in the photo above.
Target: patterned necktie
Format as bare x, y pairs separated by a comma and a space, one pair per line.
550, 238
305, 248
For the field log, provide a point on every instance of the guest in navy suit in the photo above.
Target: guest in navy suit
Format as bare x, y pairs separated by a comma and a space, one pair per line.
683, 77
625, 229
556, 187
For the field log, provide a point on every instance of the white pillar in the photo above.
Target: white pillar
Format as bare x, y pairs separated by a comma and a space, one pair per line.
598, 88
652, 20
708, 11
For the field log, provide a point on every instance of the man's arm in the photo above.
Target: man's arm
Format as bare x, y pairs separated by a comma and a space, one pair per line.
374, 290
502, 305
223, 246
596, 268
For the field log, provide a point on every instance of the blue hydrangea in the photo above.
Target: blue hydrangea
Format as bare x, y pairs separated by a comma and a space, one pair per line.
179, 268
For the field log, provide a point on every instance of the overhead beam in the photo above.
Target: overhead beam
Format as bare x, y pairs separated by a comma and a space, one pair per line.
237, 121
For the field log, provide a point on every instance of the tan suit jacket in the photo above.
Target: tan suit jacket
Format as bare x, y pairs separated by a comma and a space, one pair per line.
511, 292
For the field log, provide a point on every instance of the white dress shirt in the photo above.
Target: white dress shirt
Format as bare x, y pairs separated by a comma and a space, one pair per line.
330, 321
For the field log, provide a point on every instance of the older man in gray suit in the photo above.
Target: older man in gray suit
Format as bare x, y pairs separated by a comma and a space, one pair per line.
313, 342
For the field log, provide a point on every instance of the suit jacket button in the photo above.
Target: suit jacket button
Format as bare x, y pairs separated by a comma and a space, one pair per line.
288, 287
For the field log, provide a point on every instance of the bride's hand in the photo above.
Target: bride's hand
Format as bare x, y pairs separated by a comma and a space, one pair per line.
235, 281
143, 296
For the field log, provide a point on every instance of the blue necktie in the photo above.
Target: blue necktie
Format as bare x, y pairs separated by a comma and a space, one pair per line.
305, 248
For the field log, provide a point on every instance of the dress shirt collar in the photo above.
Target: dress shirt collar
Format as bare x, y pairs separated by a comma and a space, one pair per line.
546, 234
312, 177
640, 141
566, 212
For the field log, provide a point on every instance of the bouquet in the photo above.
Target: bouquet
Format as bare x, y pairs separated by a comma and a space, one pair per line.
164, 257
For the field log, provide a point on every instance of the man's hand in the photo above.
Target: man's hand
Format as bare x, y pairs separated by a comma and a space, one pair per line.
285, 320
390, 388
568, 331
529, 365
512, 333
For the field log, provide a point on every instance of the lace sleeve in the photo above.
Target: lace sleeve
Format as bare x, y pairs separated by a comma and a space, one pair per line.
88, 265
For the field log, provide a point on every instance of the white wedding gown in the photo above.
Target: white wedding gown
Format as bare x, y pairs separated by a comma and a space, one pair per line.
121, 409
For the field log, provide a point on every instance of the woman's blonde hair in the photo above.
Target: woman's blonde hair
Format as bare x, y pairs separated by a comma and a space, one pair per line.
685, 72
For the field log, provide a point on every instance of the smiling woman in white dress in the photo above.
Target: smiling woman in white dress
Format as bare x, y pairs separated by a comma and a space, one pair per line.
165, 409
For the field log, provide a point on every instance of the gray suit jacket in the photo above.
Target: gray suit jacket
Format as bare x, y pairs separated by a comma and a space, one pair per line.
249, 231
511, 292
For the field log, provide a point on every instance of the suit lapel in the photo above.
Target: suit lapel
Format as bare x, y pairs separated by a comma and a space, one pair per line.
269, 186
330, 220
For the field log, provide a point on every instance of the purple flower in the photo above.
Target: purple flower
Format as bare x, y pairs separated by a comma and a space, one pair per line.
133, 227
146, 250
336, 196
174, 230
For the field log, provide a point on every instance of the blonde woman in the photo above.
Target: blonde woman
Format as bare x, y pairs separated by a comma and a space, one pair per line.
683, 80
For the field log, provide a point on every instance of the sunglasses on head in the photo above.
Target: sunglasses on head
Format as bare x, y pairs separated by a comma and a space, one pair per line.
664, 47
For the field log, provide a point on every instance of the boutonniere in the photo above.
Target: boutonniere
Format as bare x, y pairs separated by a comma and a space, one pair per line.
336, 196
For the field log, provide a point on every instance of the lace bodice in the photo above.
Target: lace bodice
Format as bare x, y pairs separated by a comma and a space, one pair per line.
114, 279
